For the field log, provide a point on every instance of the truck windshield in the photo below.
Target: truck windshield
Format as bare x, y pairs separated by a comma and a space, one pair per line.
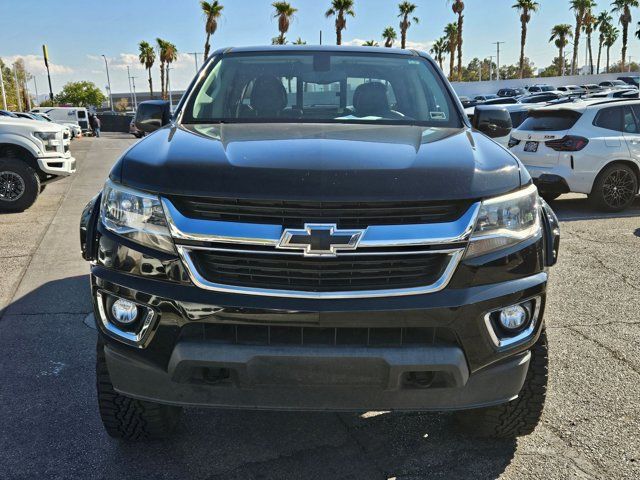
321, 87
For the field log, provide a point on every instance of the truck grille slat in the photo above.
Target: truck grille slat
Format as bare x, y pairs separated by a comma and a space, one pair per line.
297, 213
317, 275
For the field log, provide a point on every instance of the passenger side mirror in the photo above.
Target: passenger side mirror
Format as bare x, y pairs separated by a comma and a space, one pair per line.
492, 121
152, 115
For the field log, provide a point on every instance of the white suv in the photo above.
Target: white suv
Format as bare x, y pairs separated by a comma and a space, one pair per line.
590, 147
32, 154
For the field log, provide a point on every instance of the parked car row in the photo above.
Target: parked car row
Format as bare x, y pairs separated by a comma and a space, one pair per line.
34, 151
589, 146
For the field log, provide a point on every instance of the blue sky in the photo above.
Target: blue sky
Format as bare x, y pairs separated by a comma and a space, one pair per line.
77, 32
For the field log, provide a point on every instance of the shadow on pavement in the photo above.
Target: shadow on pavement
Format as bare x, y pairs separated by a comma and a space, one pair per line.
48, 366
574, 209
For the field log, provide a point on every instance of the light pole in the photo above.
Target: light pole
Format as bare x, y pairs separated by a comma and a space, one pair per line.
106, 66
135, 98
130, 89
35, 84
169, 88
195, 55
4, 96
15, 76
498, 59
491, 57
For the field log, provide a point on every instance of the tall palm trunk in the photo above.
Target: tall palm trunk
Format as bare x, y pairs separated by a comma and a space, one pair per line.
576, 46
339, 26
207, 46
590, 52
163, 93
150, 83
599, 56
523, 41
625, 39
561, 61
403, 36
608, 57
460, 22
452, 64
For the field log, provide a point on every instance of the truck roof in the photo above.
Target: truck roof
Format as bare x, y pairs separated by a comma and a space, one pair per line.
315, 48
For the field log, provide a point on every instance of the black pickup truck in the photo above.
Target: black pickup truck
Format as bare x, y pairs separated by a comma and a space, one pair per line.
319, 228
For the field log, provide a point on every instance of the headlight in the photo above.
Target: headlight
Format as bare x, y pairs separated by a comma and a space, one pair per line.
506, 221
45, 136
135, 215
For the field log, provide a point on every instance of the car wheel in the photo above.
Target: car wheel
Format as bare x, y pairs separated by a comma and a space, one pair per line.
615, 189
520, 416
127, 418
19, 185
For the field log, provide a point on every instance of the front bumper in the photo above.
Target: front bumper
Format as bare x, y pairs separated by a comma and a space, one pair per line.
64, 165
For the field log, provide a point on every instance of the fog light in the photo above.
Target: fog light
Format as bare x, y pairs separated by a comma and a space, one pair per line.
514, 317
124, 311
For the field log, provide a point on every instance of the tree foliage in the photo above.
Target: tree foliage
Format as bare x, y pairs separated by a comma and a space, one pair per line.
81, 94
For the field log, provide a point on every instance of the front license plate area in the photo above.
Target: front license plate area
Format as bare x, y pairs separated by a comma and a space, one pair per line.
531, 147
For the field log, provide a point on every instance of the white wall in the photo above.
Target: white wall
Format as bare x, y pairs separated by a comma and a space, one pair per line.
470, 89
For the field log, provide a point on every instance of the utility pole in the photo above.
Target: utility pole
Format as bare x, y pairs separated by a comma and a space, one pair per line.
320, 37
106, 66
630, 57
135, 98
130, 89
491, 57
497, 44
4, 96
15, 76
46, 64
35, 84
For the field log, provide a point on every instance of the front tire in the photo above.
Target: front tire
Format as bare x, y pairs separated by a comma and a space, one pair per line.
19, 185
615, 188
520, 416
127, 418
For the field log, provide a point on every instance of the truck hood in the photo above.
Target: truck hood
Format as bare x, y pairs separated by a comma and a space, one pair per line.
25, 124
319, 162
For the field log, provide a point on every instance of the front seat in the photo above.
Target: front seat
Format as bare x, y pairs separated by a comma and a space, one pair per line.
370, 100
268, 97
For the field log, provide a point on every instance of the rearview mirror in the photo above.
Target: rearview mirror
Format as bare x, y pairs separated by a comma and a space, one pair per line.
152, 115
494, 122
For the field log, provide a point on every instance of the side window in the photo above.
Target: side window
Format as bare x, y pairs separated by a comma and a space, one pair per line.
610, 118
630, 125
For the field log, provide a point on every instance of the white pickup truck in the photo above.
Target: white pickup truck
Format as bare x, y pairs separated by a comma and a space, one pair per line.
32, 154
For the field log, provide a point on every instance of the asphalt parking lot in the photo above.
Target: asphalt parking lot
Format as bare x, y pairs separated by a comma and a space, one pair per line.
50, 428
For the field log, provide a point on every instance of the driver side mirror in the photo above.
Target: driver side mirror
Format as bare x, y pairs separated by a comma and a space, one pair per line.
152, 115
494, 122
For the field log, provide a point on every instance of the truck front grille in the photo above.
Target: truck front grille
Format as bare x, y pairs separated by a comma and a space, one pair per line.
297, 213
318, 336
313, 274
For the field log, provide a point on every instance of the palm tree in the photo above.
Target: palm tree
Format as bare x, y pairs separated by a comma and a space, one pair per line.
299, 41
370, 43
458, 9
610, 38
580, 8
451, 32
147, 58
561, 35
589, 25
168, 54
340, 9
389, 36
623, 8
406, 10
212, 12
603, 23
162, 48
439, 50
284, 13
526, 8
